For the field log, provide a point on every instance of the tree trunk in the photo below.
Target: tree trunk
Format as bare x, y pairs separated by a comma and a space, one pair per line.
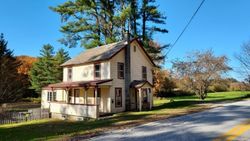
144, 20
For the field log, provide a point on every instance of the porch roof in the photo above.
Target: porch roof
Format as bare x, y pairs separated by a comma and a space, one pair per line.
139, 83
78, 84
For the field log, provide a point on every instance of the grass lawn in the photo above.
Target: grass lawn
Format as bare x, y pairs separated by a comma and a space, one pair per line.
163, 108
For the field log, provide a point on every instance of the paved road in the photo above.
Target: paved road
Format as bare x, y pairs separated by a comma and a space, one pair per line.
212, 124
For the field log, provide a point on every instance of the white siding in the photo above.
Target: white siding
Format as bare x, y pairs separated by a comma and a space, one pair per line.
65, 74
74, 110
86, 72
139, 59
117, 82
60, 96
83, 73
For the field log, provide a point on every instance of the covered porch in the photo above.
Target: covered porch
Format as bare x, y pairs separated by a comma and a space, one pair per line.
141, 95
80, 99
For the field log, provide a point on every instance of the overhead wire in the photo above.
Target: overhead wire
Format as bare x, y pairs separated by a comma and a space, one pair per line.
184, 29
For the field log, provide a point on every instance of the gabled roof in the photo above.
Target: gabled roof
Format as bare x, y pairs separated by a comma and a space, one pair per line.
101, 53
104, 52
139, 83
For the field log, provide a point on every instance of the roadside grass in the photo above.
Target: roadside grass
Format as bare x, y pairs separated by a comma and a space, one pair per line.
47, 129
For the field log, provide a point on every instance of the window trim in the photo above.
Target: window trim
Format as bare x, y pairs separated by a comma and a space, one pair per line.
51, 96
95, 71
144, 73
118, 70
118, 88
69, 74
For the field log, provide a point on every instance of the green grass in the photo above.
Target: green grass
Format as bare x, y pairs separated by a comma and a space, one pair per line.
54, 129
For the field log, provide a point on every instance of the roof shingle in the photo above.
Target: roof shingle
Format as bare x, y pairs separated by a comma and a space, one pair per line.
104, 52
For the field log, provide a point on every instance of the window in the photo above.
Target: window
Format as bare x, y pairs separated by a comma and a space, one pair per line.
97, 70
69, 74
144, 73
51, 96
54, 96
120, 68
118, 97
134, 48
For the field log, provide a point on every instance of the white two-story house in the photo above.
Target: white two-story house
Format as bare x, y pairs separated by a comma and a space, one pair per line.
108, 79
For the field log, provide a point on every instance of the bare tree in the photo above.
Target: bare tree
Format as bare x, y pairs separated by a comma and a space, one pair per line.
200, 69
244, 59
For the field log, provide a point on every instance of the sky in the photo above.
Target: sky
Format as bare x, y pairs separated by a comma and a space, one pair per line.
221, 25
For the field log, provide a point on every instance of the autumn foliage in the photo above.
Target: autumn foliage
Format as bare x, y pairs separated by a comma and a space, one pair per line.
27, 62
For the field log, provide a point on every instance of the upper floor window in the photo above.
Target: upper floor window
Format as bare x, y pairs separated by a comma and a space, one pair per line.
134, 48
144, 73
120, 70
69, 74
97, 71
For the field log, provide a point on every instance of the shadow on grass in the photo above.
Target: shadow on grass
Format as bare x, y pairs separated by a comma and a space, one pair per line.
53, 128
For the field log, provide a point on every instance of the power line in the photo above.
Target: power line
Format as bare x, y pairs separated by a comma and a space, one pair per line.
171, 47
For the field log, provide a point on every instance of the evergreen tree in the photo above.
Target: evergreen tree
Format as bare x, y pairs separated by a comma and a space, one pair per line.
90, 22
96, 22
134, 17
10, 87
150, 14
60, 57
44, 70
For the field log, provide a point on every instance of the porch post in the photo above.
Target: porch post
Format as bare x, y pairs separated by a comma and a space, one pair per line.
85, 96
140, 99
95, 94
67, 95
149, 98
96, 104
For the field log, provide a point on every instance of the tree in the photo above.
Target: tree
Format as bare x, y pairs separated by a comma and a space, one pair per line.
88, 22
11, 88
27, 62
200, 69
96, 22
47, 69
244, 58
159, 77
150, 15
60, 57
23, 70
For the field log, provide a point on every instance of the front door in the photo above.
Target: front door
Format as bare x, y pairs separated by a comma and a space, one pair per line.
99, 100
145, 95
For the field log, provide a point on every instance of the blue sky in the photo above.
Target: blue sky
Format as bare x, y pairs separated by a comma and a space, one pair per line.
222, 25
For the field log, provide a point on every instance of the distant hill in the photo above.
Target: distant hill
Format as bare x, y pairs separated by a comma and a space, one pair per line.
27, 62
